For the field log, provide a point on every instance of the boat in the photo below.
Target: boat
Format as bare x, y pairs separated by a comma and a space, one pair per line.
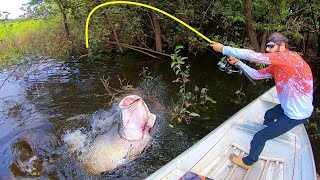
288, 156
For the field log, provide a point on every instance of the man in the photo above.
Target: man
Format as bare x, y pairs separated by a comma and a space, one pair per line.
294, 84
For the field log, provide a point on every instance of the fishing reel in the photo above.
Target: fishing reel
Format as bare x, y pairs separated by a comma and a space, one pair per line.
224, 66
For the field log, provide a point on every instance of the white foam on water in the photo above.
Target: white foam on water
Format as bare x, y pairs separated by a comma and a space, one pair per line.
76, 140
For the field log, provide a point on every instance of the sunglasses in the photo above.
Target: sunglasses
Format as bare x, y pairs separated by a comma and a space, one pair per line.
270, 46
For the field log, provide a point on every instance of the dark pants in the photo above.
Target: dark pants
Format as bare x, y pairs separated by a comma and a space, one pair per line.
277, 124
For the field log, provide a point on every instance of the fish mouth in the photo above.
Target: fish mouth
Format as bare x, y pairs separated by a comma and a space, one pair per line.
129, 101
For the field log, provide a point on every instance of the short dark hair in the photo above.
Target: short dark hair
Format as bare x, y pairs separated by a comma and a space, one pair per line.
278, 38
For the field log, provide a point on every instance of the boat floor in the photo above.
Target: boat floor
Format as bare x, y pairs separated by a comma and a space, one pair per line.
223, 168
272, 164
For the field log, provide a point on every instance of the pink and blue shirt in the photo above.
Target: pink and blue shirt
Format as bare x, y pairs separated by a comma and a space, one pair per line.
293, 78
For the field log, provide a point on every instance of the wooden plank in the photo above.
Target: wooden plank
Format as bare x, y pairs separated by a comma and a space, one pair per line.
281, 172
236, 172
223, 168
264, 173
212, 157
269, 172
256, 171
174, 175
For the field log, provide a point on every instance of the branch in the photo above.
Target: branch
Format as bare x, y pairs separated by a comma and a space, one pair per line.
112, 92
141, 48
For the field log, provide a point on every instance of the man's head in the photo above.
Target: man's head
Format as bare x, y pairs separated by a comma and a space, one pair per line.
276, 42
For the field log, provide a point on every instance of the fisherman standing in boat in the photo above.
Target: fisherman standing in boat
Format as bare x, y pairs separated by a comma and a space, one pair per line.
294, 84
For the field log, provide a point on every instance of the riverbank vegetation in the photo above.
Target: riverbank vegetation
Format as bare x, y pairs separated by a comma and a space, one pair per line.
120, 27
55, 29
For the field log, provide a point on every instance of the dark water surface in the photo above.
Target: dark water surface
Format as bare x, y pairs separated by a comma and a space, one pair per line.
38, 97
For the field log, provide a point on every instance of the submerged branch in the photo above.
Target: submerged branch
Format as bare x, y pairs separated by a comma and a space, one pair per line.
140, 48
112, 92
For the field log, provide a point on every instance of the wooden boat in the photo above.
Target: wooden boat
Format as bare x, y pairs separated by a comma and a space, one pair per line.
288, 156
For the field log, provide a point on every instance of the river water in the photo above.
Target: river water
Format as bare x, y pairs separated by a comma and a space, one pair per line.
37, 98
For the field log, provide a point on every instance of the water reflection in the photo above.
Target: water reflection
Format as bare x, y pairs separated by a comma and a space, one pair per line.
38, 97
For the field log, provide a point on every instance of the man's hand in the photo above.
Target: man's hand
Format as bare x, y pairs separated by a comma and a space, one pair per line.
232, 60
218, 47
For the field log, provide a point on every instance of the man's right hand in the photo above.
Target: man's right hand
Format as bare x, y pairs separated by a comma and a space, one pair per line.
232, 60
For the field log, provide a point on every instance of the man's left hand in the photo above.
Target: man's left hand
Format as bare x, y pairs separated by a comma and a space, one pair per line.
218, 47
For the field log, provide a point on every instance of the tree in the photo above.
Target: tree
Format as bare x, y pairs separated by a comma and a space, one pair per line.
156, 27
42, 8
250, 30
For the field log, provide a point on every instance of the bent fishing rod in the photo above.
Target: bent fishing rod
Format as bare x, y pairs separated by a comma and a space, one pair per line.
222, 64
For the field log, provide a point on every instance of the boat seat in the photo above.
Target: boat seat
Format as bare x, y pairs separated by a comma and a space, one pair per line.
251, 127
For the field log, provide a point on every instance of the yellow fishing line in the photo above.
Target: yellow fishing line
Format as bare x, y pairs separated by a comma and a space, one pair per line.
143, 5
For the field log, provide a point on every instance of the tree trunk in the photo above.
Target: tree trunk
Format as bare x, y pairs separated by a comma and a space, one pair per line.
157, 29
250, 30
64, 16
114, 33
318, 52
264, 41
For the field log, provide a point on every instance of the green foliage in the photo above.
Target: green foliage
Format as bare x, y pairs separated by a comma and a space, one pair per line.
182, 71
187, 100
31, 37
146, 74
21, 27
240, 100
313, 125
204, 98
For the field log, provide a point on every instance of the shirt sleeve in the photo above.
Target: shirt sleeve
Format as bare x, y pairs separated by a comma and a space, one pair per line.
264, 73
247, 54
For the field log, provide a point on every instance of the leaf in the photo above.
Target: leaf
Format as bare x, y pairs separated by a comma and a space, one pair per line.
203, 90
183, 110
187, 105
189, 95
148, 77
177, 66
184, 58
193, 114
176, 81
178, 47
171, 126
173, 63
208, 98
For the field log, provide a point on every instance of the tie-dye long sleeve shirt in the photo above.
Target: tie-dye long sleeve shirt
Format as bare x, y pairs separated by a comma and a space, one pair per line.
293, 78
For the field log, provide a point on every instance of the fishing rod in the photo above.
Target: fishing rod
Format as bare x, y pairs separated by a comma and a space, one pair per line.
223, 65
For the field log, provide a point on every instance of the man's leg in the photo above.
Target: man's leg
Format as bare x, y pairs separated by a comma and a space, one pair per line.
272, 114
281, 126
